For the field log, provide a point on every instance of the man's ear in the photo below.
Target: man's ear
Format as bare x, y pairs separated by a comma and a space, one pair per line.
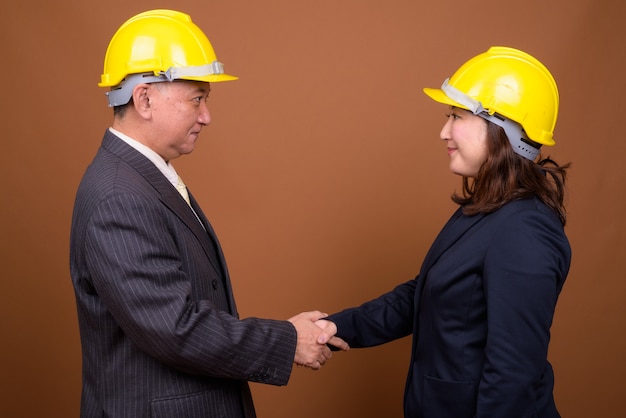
141, 99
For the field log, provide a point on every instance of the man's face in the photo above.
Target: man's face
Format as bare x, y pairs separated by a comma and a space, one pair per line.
179, 112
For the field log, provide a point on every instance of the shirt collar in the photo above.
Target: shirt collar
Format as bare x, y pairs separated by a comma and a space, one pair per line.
164, 166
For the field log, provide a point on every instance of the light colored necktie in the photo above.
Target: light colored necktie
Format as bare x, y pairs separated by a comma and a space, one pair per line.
182, 189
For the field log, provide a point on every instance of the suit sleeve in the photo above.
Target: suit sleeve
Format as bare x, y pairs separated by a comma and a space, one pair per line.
137, 272
524, 271
378, 321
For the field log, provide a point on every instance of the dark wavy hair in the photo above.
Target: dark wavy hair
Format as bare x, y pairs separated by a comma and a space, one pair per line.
506, 176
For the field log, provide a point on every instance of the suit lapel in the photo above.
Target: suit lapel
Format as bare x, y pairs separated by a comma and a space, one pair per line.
453, 230
218, 250
168, 195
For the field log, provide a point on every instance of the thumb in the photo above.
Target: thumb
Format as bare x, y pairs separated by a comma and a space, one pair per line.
329, 329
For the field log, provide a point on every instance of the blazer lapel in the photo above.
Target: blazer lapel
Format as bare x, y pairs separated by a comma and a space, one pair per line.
167, 193
454, 229
218, 250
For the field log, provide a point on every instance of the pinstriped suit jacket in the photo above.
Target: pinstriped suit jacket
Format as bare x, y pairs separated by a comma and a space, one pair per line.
159, 328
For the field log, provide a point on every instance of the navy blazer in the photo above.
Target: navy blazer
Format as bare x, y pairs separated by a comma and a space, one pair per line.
159, 327
480, 313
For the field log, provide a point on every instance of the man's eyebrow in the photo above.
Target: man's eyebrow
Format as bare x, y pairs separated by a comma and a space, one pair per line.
201, 89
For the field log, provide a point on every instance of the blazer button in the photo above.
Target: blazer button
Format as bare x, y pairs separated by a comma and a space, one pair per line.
214, 283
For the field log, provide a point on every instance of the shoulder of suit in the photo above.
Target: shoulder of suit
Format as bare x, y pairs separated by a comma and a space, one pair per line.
528, 208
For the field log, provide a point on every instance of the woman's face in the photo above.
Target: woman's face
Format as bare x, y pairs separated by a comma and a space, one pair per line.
466, 137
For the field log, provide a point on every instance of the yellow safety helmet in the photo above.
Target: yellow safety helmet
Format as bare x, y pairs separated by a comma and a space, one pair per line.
156, 46
511, 89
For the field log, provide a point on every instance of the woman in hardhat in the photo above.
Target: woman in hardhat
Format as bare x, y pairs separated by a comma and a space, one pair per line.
481, 308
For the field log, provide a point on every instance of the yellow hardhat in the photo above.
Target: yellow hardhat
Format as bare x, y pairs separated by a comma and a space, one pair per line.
506, 85
156, 46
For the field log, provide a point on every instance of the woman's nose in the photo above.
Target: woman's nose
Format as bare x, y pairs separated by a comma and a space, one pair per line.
445, 130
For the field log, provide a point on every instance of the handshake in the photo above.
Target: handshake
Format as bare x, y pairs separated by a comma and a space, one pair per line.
314, 333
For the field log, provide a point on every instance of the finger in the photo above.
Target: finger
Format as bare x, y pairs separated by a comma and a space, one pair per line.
339, 343
326, 337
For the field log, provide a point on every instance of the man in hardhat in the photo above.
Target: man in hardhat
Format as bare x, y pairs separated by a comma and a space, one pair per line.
160, 332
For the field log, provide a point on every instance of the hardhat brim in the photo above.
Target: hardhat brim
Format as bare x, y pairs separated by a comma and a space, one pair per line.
439, 96
213, 78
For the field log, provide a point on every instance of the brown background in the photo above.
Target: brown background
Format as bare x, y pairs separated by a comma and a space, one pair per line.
322, 173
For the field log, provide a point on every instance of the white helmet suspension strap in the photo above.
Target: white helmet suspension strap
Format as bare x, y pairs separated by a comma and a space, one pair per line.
121, 94
518, 139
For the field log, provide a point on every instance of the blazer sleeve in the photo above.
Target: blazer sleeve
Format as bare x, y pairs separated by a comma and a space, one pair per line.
380, 320
524, 270
136, 268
